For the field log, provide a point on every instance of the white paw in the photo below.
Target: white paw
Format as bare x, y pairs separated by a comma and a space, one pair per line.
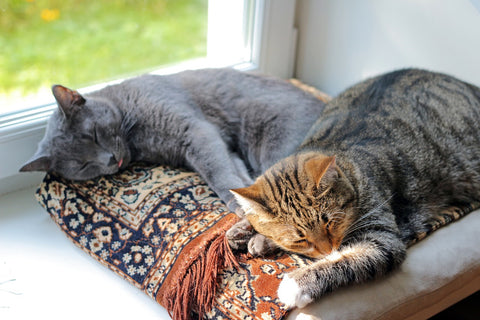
290, 293
304, 316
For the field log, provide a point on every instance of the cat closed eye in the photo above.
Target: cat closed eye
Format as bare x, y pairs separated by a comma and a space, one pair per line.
300, 234
300, 241
84, 166
90, 137
95, 136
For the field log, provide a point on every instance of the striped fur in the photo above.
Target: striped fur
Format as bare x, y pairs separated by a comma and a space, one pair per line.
406, 160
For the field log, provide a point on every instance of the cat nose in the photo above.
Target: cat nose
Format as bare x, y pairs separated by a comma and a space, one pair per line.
112, 161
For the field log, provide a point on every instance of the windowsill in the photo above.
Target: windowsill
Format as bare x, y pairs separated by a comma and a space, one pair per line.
53, 278
42, 274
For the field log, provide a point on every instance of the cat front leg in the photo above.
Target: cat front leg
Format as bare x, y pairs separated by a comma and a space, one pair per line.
208, 155
241, 168
374, 256
240, 234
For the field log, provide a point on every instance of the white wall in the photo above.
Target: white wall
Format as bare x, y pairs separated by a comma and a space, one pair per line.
343, 41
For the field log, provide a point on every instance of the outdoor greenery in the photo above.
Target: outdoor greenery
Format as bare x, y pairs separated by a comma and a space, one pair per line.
80, 42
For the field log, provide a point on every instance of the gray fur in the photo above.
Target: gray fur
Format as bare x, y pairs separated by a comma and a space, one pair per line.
227, 125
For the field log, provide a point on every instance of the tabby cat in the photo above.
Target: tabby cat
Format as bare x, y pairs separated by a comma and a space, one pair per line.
386, 155
227, 125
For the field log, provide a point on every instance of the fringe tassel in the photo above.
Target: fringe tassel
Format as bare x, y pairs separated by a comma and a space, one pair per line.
195, 293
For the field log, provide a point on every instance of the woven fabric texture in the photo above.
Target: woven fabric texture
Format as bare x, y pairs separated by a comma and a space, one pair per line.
148, 224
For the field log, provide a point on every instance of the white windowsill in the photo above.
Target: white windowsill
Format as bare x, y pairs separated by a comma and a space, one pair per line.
43, 275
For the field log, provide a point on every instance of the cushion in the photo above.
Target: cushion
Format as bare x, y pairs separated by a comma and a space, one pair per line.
162, 229
159, 228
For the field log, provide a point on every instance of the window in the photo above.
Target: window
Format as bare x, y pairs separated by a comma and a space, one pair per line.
80, 43
248, 34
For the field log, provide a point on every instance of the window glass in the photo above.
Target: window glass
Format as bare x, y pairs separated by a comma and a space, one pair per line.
80, 43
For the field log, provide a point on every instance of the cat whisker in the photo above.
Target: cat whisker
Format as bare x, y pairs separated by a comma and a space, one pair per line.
374, 210
128, 123
355, 228
361, 223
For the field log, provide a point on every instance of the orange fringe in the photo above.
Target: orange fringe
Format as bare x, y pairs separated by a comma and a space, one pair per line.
195, 293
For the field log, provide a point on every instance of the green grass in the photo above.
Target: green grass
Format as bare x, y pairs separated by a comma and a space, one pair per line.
78, 43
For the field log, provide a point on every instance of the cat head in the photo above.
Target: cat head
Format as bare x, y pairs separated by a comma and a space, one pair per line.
83, 138
303, 203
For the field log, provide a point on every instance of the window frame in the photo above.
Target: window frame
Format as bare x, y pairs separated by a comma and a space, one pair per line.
272, 41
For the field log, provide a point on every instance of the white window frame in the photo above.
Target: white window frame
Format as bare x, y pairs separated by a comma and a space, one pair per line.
273, 43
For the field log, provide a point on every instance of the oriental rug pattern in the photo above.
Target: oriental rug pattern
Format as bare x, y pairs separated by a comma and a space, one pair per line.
149, 223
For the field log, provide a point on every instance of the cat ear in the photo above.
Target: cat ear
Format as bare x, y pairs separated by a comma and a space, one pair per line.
68, 100
37, 163
322, 170
248, 198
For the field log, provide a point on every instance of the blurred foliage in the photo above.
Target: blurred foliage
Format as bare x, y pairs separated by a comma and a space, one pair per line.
80, 42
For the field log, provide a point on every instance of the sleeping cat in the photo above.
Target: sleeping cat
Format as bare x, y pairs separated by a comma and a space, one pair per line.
386, 156
227, 125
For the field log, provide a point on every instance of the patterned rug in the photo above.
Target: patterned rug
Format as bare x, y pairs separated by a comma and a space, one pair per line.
152, 226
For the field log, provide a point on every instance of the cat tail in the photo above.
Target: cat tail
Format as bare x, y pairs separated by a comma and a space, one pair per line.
442, 218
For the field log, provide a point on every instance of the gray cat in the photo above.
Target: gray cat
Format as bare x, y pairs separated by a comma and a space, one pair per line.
386, 161
227, 125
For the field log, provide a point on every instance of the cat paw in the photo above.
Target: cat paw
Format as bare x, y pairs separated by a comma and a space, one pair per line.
239, 235
259, 246
291, 294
